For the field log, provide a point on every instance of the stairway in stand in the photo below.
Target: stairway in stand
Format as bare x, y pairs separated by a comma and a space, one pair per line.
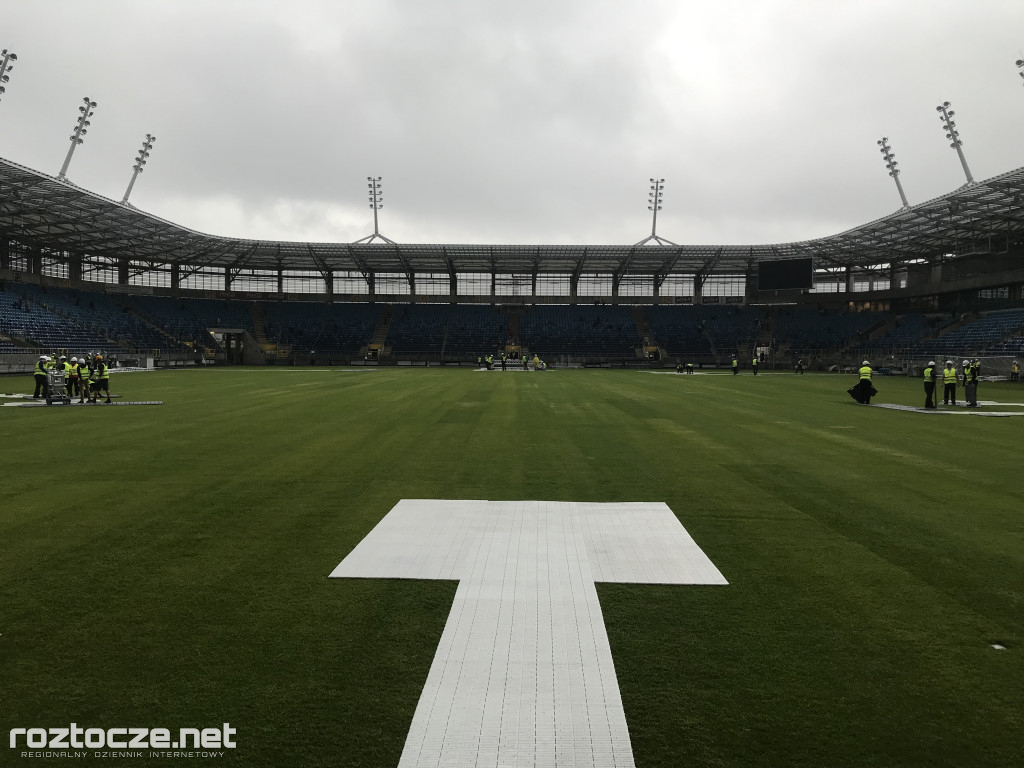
259, 321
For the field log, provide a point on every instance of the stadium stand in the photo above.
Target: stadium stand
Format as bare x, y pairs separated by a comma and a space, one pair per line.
680, 331
331, 329
418, 329
187, 321
806, 330
475, 330
601, 331
982, 335
54, 319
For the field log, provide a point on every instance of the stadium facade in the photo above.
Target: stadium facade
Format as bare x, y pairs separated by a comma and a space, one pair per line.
957, 254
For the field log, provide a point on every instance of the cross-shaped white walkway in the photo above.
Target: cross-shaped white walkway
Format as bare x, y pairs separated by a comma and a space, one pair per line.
523, 674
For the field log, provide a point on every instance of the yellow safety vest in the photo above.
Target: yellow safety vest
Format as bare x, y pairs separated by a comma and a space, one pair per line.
929, 374
99, 372
865, 372
949, 375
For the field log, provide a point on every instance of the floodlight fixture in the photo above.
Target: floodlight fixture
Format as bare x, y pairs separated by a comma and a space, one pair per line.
5, 67
1020, 65
654, 200
84, 113
893, 166
376, 198
946, 116
140, 162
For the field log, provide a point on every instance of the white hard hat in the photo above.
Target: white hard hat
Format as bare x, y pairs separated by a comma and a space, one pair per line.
65, 357
931, 362
967, 362
42, 357
865, 363
74, 359
949, 362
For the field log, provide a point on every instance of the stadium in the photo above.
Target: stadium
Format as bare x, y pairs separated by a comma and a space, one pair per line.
258, 549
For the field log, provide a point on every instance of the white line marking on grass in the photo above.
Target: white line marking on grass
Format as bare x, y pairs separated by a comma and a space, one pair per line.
523, 674
959, 411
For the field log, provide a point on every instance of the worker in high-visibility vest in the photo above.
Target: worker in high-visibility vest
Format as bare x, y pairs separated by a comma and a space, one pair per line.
39, 373
1015, 371
971, 385
100, 379
864, 385
929, 385
949, 384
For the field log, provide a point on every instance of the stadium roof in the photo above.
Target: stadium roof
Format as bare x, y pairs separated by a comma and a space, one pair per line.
53, 214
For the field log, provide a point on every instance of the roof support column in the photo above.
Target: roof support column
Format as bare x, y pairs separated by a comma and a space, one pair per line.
371, 283
574, 285
849, 279
329, 285
280, 281
453, 278
122, 271
175, 276
751, 285
5, 253
35, 260
533, 283
227, 278
494, 281
74, 265
698, 287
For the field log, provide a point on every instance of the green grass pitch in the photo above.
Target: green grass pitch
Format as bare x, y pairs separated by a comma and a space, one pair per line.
167, 566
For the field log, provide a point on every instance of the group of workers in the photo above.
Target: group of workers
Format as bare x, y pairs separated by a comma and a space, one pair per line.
87, 376
736, 365
487, 362
968, 376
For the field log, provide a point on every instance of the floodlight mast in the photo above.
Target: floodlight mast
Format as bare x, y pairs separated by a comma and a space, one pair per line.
894, 171
5, 67
85, 112
654, 198
953, 135
376, 203
140, 162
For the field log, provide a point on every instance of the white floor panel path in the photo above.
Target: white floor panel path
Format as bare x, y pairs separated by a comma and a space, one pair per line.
523, 674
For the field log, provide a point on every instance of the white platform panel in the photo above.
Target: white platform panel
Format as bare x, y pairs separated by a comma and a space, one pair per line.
523, 674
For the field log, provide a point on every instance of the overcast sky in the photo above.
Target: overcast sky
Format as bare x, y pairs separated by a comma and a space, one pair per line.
525, 121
